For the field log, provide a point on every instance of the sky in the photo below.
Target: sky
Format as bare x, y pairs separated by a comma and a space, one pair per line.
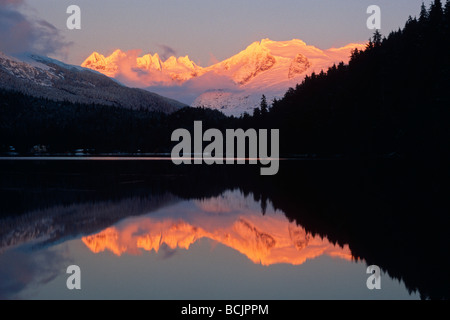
206, 30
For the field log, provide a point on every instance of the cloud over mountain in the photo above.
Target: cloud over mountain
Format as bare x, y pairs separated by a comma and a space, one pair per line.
20, 32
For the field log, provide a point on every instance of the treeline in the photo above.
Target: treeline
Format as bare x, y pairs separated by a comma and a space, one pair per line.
27, 121
392, 97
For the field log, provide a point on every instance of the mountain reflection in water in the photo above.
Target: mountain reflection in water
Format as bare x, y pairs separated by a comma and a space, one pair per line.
391, 213
230, 219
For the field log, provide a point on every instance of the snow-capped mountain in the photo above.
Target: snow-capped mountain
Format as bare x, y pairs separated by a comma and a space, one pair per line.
45, 77
150, 69
234, 85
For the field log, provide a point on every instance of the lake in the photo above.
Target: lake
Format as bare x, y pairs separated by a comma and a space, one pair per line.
147, 229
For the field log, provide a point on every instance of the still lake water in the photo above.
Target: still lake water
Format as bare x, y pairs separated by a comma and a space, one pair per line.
148, 231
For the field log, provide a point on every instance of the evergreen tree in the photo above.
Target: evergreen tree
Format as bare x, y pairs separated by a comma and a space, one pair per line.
264, 106
354, 54
377, 38
447, 10
423, 14
436, 14
436, 9
369, 45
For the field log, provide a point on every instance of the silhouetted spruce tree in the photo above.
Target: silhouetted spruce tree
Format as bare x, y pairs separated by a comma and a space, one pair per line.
423, 13
264, 106
377, 38
447, 10
436, 12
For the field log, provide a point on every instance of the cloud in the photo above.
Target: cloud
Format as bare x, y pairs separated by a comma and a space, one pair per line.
166, 252
21, 270
20, 33
11, 2
167, 51
191, 89
212, 59
211, 81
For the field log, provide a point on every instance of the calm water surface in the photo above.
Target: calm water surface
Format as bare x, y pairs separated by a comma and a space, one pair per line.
142, 238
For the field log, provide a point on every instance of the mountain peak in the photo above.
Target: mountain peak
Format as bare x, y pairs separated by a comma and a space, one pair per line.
148, 62
95, 57
265, 66
266, 42
117, 52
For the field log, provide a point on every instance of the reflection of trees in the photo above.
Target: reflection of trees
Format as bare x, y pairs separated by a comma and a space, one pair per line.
392, 214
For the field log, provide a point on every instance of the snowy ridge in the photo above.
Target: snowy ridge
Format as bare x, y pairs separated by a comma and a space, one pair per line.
234, 85
52, 79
